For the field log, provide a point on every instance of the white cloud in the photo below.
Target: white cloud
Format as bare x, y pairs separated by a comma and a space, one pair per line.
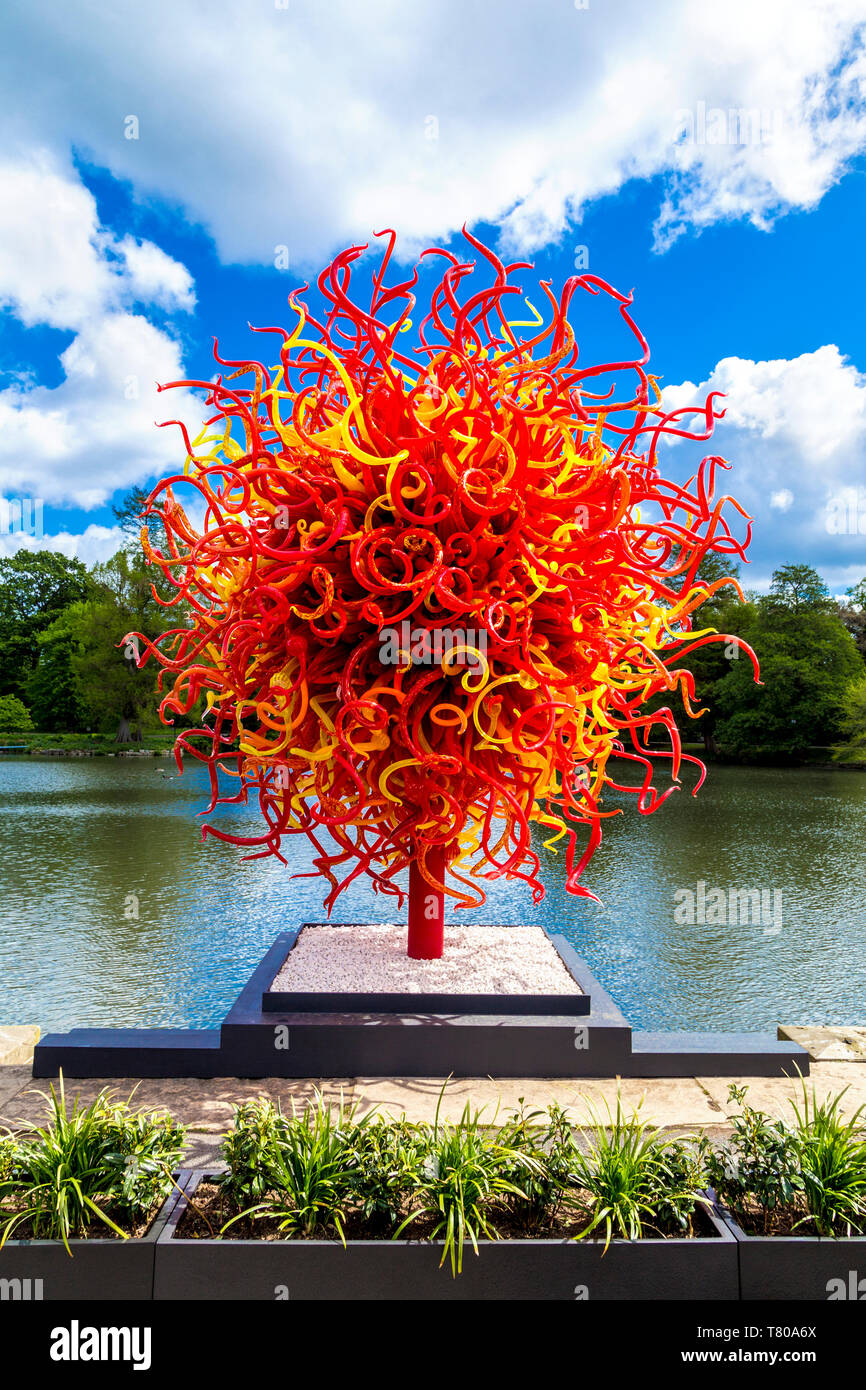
77, 442
815, 403
58, 266
782, 501
797, 118
155, 277
309, 126
50, 269
92, 546
795, 432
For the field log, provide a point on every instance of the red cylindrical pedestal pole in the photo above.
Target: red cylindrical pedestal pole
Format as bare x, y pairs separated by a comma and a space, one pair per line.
426, 910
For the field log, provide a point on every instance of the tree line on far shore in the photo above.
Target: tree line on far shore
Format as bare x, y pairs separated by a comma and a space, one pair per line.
812, 652
64, 668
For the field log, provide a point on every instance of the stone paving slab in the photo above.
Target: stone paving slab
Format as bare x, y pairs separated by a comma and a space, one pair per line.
13, 1080
839, 1075
206, 1106
774, 1096
17, 1042
203, 1151
828, 1044
665, 1101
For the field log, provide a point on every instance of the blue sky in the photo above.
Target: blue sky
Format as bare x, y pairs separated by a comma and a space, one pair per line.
546, 128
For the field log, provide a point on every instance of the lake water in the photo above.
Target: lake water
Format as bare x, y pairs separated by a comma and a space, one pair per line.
86, 842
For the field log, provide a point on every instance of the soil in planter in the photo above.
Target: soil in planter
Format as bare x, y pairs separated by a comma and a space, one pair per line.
213, 1208
98, 1230
783, 1221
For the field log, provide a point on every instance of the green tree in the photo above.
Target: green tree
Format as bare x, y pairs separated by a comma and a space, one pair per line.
853, 615
853, 723
709, 664
857, 593
35, 588
798, 589
127, 580
51, 688
107, 679
14, 716
86, 675
807, 662
108, 684
128, 515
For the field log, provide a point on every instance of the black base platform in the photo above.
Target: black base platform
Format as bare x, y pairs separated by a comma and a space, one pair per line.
257, 1041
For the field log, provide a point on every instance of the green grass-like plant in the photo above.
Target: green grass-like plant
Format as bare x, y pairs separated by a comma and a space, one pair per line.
60, 1177
831, 1152
311, 1162
613, 1177
813, 1166
633, 1181
467, 1171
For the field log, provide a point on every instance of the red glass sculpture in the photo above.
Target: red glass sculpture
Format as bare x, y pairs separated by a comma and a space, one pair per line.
440, 575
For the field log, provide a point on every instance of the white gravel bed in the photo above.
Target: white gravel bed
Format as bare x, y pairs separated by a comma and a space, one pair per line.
373, 959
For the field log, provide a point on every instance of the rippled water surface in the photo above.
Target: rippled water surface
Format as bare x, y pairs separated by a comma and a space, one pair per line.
84, 843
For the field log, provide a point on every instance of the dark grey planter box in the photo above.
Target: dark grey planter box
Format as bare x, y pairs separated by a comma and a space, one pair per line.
33, 1271
703, 1268
782, 1269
